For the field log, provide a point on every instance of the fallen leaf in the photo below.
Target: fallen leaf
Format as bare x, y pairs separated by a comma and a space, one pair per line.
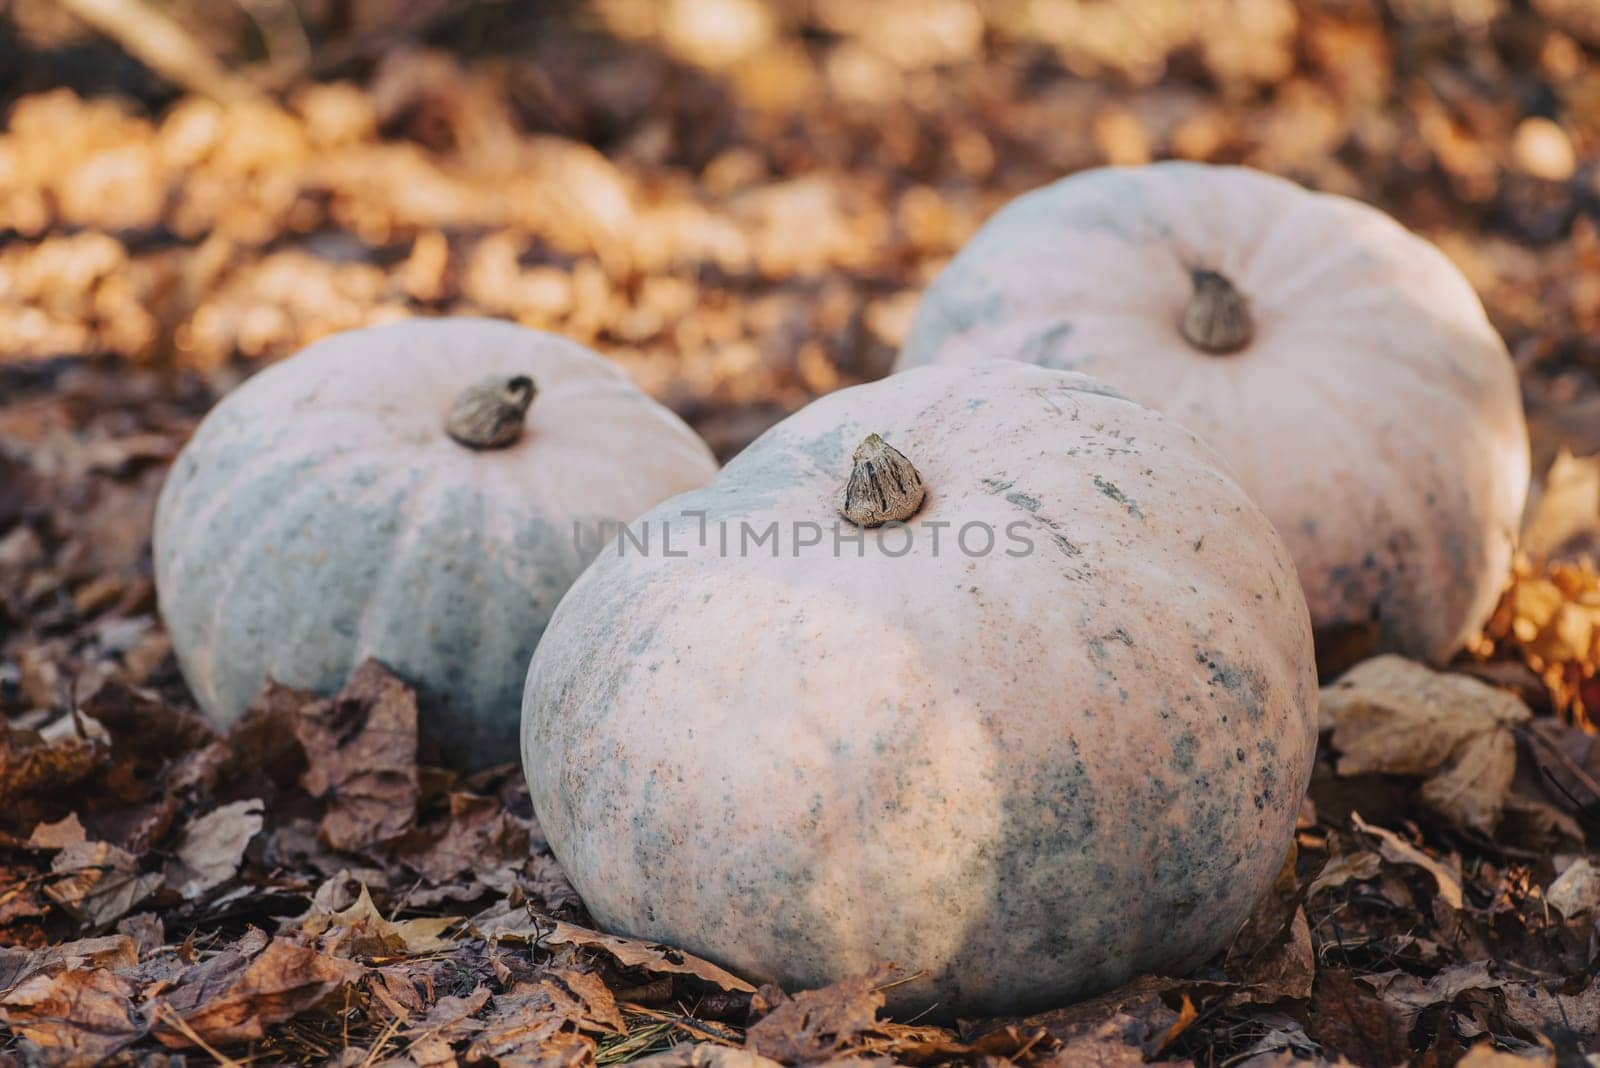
361, 929
1350, 1020
110, 951
517, 924
1411, 995
361, 750
64, 832
1104, 1047
1345, 868
1539, 1009
1283, 969
1395, 717
236, 995
1576, 890
212, 846
479, 846
548, 1023
1567, 509
818, 1025
146, 930
145, 730
79, 1017
1484, 1055
705, 1055
97, 883
31, 766
1397, 850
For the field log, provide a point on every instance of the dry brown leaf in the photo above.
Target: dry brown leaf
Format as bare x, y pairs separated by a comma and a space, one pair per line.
1542, 1009
1396, 717
1576, 890
1285, 968
145, 730
212, 847
818, 1025
517, 924
79, 1017
1103, 1048
548, 1023
111, 951
235, 996
1349, 1020
477, 848
361, 747
362, 930
1397, 850
1484, 1055
706, 1055
97, 883
1410, 995
1567, 509
1345, 868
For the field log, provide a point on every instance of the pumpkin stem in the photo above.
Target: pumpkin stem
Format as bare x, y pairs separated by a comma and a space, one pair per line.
884, 487
489, 415
1217, 318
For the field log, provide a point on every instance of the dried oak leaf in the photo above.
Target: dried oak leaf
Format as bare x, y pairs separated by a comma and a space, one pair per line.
143, 728
477, 848
1283, 968
819, 1025
1397, 850
1345, 868
361, 748
511, 923
1396, 717
1539, 1009
212, 847
263, 747
548, 1023
1350, 1020
1137, 1008
110, 951
94, 882
360, 929
236, 995
79, 1017
31, 766
1409, 995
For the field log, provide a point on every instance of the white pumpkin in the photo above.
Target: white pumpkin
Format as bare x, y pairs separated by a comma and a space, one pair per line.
1050, 733
1342, 365
323, 513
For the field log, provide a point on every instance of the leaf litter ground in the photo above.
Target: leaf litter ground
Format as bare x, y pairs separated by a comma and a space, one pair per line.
743, 220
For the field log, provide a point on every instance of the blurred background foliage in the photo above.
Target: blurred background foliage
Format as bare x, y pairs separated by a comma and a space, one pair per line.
737, 200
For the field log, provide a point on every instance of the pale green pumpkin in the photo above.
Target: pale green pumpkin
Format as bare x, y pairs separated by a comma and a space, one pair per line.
1045, 726
1340, 364
422, 493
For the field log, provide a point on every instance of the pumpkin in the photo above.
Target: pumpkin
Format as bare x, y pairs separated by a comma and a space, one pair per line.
1341, 364
1017, 693
421, 493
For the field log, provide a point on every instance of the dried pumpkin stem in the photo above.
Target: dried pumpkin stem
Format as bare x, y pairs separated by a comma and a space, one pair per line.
884, 487
489, 415
1217, 318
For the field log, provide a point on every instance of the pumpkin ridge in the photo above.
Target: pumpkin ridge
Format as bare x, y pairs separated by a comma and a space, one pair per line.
408, 529
218, 503
244, 556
